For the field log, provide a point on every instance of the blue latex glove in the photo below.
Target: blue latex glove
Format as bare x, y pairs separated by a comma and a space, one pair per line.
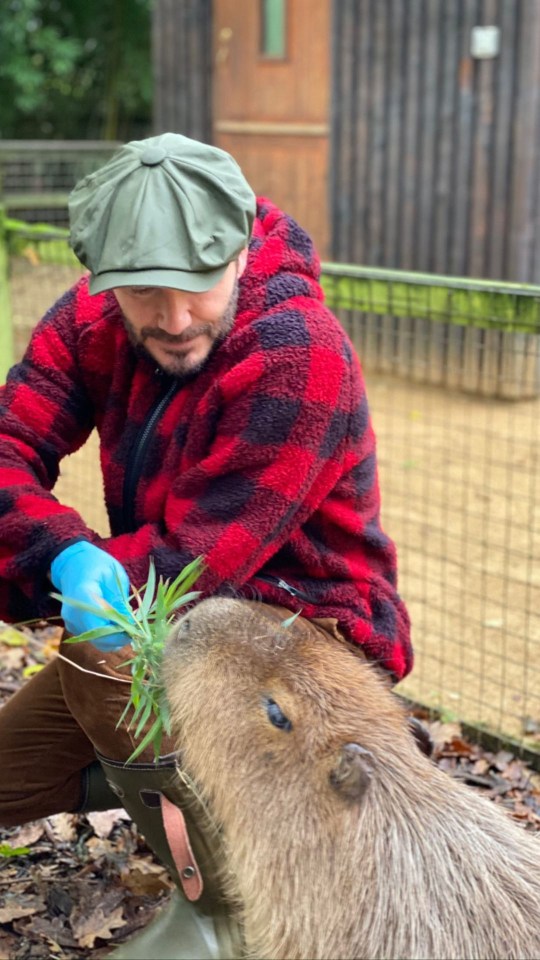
86, 573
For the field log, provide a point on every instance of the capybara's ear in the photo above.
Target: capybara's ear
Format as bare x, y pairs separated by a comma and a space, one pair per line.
351, 776
424, 740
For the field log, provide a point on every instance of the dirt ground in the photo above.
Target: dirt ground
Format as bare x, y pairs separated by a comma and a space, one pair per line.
460, 490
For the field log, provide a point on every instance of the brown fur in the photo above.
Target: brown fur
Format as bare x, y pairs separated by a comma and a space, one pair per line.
339, 851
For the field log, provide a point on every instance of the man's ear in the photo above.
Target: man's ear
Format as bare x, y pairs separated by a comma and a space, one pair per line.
242, 261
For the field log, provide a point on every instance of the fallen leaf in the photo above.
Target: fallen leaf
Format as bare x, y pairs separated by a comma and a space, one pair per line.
96, 924
125, 845
16, 906
8, 946
513, 771
100, 847
32, 669
444, 733
6, 850
50, 649
480, 766
521, 812
103, 821
460, 747
13, 658
147, 884
54, 930
448, 764
145, 865
49, 632
11, 636
63, 827
28, 834
502, 759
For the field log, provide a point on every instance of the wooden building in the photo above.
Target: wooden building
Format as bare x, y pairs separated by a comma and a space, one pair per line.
400, 133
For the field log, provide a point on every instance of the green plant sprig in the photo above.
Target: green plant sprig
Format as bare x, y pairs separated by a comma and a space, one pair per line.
147, 622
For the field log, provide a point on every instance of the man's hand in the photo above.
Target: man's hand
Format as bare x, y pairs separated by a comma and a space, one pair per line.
84, 572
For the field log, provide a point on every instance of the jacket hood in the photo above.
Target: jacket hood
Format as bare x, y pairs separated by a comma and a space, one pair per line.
282, 264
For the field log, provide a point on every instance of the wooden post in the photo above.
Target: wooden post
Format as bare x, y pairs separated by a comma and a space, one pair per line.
6, 325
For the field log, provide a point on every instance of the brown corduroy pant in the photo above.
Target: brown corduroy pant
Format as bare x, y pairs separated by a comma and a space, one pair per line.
50, 729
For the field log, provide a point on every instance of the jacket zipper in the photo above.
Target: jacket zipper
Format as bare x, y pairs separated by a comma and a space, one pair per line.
133, 471
283, 585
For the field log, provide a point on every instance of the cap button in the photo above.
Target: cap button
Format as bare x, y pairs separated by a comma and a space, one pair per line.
151, 156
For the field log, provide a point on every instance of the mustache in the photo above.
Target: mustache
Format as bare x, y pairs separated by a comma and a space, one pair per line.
154, 333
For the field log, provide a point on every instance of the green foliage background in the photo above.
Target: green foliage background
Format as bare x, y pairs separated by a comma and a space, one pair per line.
75, 69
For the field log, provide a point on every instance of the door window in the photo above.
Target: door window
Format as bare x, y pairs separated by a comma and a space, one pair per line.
272, 34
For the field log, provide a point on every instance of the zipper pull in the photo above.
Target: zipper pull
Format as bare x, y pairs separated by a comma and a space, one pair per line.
286, 586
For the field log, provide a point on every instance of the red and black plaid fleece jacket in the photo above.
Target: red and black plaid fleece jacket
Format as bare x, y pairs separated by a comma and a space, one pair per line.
264, 463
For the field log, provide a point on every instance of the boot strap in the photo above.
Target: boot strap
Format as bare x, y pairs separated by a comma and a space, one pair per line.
178, 840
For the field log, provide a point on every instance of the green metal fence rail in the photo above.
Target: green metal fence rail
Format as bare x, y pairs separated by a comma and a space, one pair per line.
475, 335
462, 301
39, 243
48, 243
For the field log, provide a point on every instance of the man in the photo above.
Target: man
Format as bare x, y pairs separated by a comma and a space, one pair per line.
233, 425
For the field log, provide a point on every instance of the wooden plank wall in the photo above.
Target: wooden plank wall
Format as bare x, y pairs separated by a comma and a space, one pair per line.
436, 155
436, 167
182, 62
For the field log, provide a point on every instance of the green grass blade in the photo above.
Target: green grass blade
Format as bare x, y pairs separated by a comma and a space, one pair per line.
140, 708
125, 712
92, 635
149, 590
105, 612
160, 609
154, 734
290, 620
183, 600
144, 718
165, 714
185, 579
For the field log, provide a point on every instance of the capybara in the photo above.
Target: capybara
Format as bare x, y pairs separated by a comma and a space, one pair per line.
343, 840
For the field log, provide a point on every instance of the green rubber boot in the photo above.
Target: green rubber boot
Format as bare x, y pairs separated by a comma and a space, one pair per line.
199, 922
179, 932
96, 792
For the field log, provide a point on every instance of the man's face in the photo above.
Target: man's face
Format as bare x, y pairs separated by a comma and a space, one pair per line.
177, 328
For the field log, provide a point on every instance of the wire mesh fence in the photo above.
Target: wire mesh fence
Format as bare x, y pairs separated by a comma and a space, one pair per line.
453, 376
36, 177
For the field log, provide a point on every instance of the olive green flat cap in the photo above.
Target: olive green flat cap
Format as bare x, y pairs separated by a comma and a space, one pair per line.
167, 212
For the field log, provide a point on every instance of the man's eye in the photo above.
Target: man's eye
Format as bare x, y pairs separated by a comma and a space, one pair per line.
141, 291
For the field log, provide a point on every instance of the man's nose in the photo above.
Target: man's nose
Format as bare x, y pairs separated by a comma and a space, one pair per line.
174, 314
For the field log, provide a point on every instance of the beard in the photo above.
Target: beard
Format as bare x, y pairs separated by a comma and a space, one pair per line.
179, 364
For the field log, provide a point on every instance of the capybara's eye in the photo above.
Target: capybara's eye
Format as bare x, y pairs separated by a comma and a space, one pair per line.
276, 716
183, 626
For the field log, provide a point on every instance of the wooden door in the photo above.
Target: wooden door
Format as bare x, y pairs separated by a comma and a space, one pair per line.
271, 94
